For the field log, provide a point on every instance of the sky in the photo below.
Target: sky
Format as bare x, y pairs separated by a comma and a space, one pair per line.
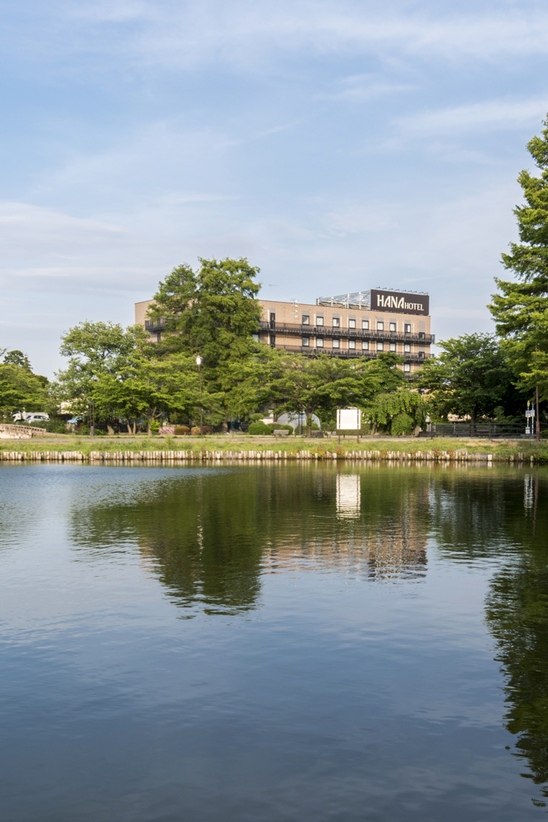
338, 145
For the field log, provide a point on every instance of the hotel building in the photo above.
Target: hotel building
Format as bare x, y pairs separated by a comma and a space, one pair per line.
361, 324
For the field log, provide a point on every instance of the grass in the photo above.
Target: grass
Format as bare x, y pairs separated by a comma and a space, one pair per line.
501, 449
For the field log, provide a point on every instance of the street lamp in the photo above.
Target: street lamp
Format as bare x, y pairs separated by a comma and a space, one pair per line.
199, 364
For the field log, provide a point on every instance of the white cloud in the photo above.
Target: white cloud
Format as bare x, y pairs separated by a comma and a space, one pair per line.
486, 115
186, 34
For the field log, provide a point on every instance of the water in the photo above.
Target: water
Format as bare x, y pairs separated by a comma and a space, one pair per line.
273, 644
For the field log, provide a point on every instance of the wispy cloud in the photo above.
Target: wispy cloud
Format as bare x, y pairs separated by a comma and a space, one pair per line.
363, 87
174, 33
487, 115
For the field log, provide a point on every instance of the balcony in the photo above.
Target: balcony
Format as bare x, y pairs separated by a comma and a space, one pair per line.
346, 333
346, 353
155, 325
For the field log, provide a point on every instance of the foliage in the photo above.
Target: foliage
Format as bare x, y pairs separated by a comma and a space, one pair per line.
520, 309
126, 376
322, 384
17, 358
259, 428
95, 351
20, 389
214, 312
398, 412
471, 376
52, 426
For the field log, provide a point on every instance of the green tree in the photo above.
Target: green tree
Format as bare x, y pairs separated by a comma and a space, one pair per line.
96, 351
320, 385
397, 412
21, 390
17, 357
520, 309
151, 387
214, 312
470, 377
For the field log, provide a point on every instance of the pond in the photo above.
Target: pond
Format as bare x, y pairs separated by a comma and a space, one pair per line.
279, 643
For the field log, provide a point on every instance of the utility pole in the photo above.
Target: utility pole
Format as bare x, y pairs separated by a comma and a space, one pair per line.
199, 364
538, 417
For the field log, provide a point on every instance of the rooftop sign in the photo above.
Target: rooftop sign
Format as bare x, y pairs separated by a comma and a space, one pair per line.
396, 302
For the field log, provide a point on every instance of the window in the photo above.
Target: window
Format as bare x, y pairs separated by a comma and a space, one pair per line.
352, 343
255, 337
392, 326
336, 343
407, 328
306, 342
306, 319
380, 325
406, 367
336, 322
319, 342
365, 345
380, 346
392, 346
365, 325
273, 341
319, 320
351, 323
407, 348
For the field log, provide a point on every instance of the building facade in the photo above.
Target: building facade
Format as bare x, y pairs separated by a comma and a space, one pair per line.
362, 324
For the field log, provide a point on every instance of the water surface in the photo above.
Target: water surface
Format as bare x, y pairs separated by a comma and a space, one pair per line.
272, 643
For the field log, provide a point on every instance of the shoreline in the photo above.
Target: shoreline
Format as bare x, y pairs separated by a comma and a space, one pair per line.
263, 449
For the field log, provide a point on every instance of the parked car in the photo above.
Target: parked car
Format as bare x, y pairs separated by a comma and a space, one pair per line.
39, 416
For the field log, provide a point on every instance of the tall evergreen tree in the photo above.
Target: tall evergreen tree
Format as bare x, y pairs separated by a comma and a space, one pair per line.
520, 309
213, 312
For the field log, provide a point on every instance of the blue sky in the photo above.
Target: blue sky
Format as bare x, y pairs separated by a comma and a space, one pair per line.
338, 145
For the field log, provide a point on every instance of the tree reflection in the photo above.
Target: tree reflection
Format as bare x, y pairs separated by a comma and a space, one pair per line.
208, 534
517, 614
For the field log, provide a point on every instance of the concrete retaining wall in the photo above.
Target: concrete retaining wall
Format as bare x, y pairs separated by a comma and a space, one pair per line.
146, 457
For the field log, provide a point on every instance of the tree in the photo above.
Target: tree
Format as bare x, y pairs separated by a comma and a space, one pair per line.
21, 390
213, 312
152, 387
320, 385
126, 375
95, 351
471, 377
17, 357
521, 309
397, 412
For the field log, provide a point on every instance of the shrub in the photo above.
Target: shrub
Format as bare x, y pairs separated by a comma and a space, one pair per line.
256, 417
182, 430
278, 426
55, 426
259, 428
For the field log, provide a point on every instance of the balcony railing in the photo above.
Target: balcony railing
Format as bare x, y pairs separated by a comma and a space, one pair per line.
155, 325
347, 333
348, 353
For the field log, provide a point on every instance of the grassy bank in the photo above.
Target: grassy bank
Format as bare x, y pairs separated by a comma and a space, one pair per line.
269, 447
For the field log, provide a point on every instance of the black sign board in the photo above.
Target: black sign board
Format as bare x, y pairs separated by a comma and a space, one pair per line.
398, 303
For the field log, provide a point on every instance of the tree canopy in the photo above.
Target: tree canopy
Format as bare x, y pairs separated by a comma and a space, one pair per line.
470, 377
520, 309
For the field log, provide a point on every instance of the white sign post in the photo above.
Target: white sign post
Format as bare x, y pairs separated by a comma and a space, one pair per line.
349, 419
530, 415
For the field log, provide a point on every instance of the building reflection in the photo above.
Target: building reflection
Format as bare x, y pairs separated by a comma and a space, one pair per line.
208, 535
